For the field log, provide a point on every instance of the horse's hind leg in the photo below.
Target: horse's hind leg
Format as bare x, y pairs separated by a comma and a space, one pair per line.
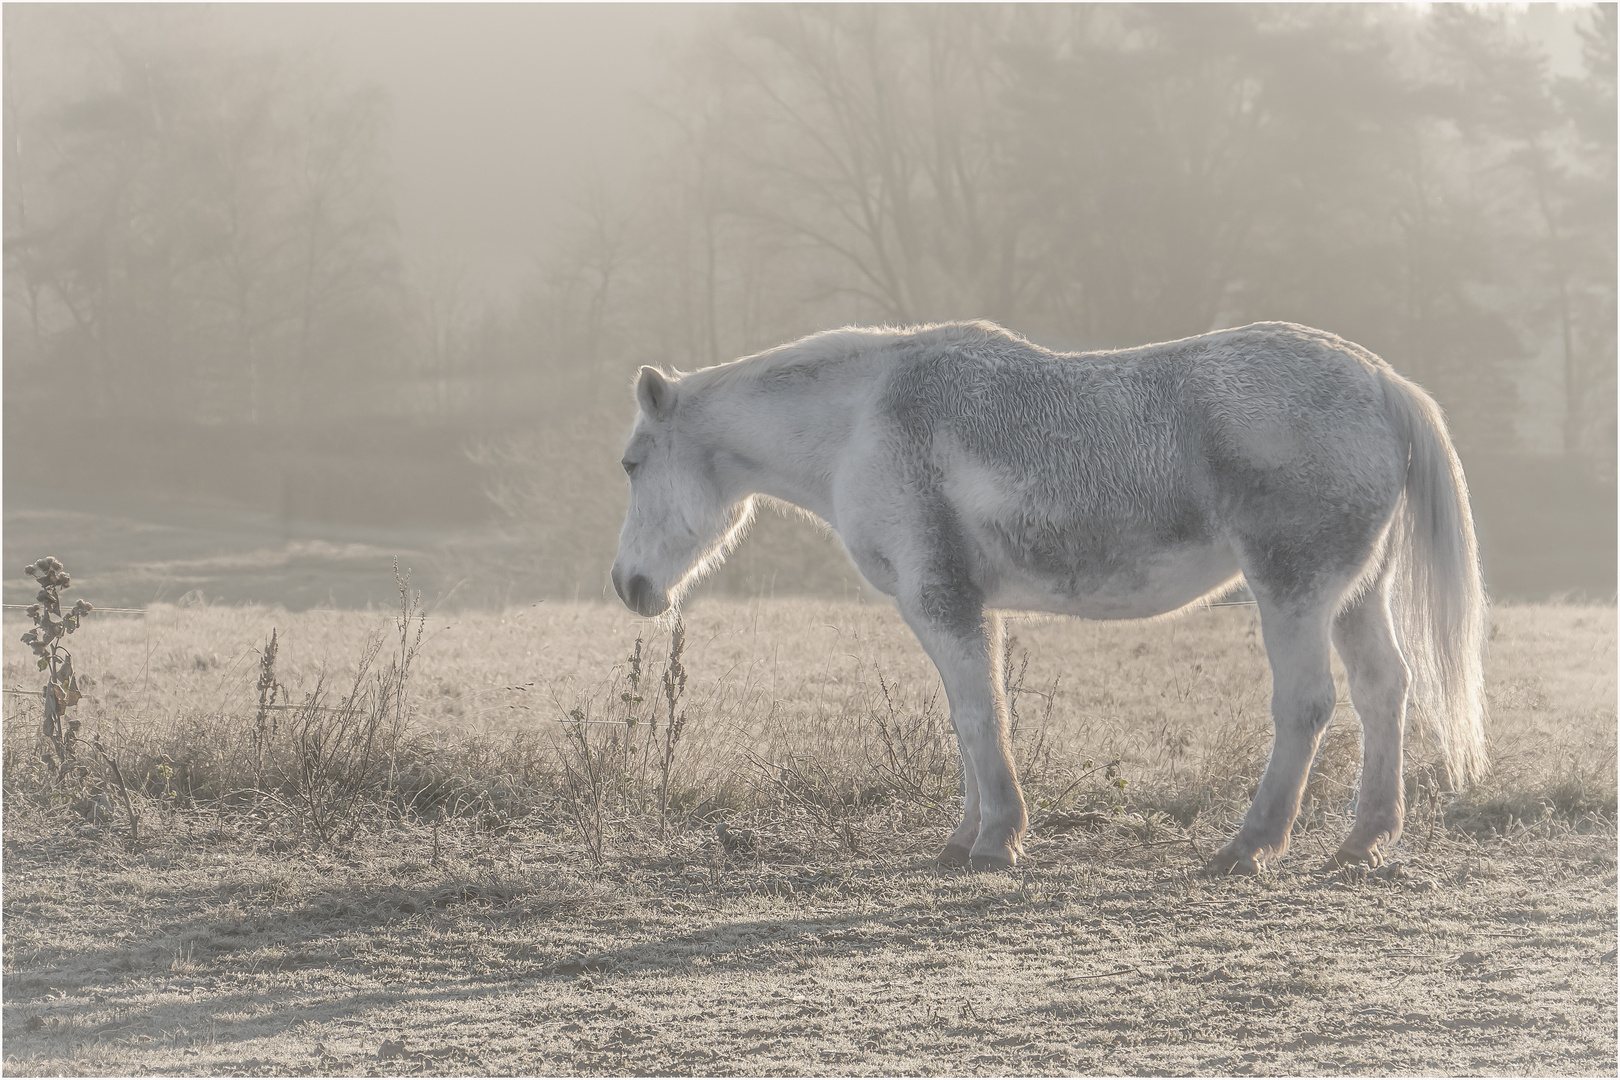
1301, 705
1364, 635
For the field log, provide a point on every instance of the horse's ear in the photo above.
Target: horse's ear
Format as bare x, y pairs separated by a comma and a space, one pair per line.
655, 393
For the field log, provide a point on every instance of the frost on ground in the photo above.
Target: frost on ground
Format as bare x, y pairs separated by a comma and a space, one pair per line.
472, 932
217, 957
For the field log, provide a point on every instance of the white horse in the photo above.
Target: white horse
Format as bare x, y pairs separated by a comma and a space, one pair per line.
967, 470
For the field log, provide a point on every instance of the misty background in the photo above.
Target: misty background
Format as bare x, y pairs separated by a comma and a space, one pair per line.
293, 289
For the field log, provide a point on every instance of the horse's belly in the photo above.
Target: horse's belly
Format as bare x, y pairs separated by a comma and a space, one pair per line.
1126, 582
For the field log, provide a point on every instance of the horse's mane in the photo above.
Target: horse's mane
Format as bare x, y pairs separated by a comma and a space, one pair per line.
819, 349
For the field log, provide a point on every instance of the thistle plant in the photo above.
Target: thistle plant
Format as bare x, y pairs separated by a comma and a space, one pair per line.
61, 690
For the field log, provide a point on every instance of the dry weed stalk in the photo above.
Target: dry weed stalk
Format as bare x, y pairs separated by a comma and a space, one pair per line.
807, 784
264, 724
589, 771
600, 768
342, 750
631, 698
674, 725
1033, 756
918, 763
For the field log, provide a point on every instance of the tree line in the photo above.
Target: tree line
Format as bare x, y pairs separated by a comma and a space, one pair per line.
204, 235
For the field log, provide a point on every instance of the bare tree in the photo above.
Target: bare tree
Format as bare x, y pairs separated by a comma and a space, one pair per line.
347, 266
870, 137
193, 231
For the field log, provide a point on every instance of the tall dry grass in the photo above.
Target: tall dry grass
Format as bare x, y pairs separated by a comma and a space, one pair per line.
807, 715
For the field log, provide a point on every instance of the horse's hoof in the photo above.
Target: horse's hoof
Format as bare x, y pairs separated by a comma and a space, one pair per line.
953, 855
989, 863
1353, 855
1226, 862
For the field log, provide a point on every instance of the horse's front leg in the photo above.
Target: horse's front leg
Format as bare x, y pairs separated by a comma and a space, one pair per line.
960, 639
959, 848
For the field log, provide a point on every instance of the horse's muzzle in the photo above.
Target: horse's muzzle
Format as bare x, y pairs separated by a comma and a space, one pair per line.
640, 596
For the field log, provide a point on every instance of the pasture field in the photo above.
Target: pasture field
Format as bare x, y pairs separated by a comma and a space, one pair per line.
423, 869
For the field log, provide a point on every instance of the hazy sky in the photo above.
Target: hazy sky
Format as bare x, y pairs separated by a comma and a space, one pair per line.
499, 110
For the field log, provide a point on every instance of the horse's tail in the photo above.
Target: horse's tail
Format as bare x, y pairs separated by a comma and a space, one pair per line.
1438, 599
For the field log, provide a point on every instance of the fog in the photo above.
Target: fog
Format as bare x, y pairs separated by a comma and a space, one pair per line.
292, 290
503, 115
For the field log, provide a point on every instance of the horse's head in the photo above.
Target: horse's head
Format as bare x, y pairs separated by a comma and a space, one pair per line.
681, 520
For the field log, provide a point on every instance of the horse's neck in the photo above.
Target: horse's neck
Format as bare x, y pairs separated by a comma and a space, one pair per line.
785, 443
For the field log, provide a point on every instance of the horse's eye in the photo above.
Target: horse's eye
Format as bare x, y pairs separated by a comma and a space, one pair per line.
629, 467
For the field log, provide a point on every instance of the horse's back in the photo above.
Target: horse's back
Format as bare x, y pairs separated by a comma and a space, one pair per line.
1213, 410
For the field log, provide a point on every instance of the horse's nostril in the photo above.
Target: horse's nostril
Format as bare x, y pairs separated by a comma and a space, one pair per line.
618, 584
638, 593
